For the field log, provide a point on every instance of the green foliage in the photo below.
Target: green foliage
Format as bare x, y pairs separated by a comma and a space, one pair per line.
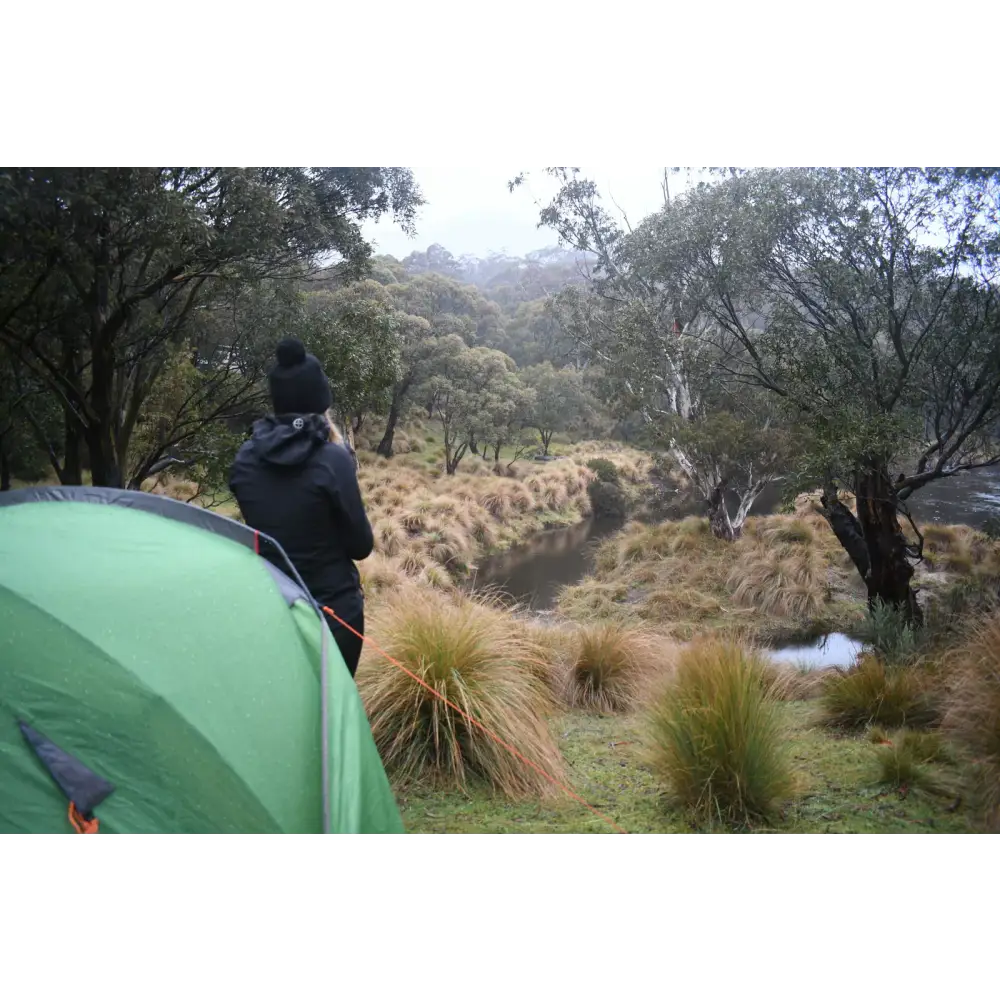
716, 736
475, 394
355, 334
561, 401
31, 426
152, 257
887, 631
606, 470
870, 355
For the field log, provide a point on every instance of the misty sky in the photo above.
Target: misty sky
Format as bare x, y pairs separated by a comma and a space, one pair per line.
469, 209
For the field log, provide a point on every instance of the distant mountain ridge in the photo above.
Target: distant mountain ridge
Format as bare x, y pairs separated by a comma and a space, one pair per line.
561, 266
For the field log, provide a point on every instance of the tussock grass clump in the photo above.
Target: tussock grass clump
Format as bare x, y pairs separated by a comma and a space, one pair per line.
872, 692
716, 737
959, 549
601, 601
390, 536
379, 573
903, 758
788, 531
972, 711
467, 652
674, 602
789, 580
611, 665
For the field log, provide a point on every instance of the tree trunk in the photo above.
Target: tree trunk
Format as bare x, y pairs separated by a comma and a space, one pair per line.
718, 515
889, 569
71, 473
4, 470
385, 445
546, 439
847, 529
104, 468
747, 498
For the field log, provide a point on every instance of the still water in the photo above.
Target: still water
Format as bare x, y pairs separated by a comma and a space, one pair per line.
531, 574
833, 650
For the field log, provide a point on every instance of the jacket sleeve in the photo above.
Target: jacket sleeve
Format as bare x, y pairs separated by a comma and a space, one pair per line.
346, 495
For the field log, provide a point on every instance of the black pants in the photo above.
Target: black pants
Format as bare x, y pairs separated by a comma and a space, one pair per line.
347, 642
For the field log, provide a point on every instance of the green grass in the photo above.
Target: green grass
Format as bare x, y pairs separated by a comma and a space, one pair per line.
840, 792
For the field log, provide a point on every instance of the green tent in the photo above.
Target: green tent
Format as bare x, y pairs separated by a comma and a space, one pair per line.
159, 675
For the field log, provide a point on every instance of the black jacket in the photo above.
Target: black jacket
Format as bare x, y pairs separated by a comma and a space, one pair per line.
293, 484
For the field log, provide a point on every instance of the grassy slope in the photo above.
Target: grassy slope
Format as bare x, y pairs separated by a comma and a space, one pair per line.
838, 775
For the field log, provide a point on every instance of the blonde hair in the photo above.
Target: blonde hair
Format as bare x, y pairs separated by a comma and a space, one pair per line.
335, 436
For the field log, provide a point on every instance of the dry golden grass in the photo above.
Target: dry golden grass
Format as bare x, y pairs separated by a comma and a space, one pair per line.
960, 550
173, 487
467, 652
677, 577
594, 601
422, 519
786, 580
611, 666
972, 710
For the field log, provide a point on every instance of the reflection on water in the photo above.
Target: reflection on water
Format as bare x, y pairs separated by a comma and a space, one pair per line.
833, 650
532, 574
969, 498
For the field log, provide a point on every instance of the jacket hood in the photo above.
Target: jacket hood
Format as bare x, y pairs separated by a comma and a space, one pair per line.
289, 439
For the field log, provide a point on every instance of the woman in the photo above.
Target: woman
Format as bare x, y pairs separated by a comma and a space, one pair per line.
296, 481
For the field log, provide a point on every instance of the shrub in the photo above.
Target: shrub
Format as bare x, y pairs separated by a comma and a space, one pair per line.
610, 665
466, 651
972, 710
715, 735
889, 634
872, 692
605, 470
607, 500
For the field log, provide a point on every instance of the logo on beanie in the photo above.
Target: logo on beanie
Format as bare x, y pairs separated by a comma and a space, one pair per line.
298, 423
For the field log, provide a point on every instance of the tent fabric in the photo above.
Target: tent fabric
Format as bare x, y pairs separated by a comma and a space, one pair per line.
149, 642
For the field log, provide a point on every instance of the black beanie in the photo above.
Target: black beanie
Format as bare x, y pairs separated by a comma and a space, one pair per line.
297, 381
